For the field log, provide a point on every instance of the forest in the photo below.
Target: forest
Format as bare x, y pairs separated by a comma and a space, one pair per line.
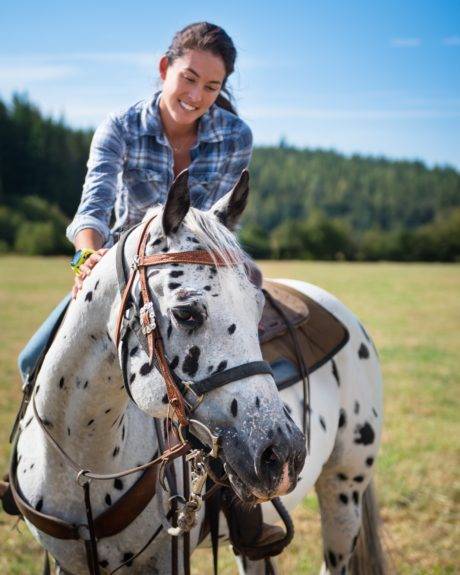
304, 203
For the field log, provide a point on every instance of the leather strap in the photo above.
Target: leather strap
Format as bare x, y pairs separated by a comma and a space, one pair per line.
221, 378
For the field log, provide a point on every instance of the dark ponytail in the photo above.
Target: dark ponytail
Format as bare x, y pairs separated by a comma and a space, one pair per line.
208, 38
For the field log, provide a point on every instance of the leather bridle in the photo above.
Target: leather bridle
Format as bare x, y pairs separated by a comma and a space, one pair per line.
143, 323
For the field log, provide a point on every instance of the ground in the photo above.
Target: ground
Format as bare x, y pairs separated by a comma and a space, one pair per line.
413, 314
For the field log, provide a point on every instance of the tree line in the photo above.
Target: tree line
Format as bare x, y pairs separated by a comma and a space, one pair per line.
304, 204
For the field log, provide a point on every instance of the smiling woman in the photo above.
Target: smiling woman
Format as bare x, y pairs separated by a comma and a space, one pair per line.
135, 155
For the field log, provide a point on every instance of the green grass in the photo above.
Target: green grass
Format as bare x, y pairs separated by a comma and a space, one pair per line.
413, 314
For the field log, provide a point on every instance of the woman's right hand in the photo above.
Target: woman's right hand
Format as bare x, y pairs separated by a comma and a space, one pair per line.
85, 270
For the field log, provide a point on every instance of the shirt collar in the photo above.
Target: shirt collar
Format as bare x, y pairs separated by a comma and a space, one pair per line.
210, 128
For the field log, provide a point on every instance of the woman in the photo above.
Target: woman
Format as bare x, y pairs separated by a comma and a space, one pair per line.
135, 155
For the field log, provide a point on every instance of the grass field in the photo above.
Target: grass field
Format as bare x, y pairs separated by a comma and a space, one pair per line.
413, 313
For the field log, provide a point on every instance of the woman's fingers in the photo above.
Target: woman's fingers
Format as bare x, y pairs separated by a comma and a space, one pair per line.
85, 270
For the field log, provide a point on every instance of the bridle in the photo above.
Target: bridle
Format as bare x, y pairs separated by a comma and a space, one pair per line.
143, 323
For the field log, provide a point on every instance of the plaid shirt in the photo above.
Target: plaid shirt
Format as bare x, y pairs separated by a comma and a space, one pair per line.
130, 166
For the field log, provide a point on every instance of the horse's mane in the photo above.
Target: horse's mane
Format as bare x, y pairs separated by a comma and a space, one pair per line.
212, 235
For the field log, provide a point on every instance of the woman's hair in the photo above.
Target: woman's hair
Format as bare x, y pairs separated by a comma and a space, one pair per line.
208, 38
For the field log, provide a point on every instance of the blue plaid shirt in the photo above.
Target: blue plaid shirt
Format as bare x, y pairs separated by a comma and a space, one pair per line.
130, 166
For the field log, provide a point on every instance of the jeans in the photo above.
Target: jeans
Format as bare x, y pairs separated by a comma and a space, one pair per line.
29, 355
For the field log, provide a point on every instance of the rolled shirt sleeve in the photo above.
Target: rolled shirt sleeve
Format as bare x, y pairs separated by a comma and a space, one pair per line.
106, 159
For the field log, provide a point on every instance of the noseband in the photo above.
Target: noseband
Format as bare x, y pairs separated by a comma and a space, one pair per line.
143, 323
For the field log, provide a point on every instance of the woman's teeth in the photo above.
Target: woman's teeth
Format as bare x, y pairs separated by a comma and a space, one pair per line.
187, 106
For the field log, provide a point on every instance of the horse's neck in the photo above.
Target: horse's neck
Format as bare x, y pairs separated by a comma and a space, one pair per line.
80, 395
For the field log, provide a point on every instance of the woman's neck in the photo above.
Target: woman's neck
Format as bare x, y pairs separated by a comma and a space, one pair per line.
172, 129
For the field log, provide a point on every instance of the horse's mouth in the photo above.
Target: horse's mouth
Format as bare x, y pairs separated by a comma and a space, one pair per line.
242, 490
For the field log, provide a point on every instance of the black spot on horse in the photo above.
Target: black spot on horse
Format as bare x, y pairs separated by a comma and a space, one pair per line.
355, 497
322, 422
195, 241
116, 451
287, 408
210, 368
89, 296
61, 382
175, 362
363, 351
358, 478
86, 384
342, 476
342, 418
364, 434
257, 402
123, 433
108, 499
68, 431
146, 368
134, 350
176, 273
215, 295
156, 242
39, 504
169, 330
95, 287
370, 461
118, 484
288, 427
332, 558
335, 372
374, 411
354, 542
343, 498
174, 285
29, 421
128, 559
104, 563
132, 377
93, 337
231, 329
90, 422
190, 364
108, 410
356, 408
279, 430
165, 249
234, 407
207, 288
222, 365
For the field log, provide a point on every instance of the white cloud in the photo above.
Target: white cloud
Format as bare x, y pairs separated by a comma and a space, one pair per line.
405, 42
451, 41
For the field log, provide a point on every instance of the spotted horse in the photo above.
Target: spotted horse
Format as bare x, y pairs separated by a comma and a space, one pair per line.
206, 317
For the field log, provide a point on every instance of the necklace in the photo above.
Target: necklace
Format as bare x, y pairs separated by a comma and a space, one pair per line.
187, 141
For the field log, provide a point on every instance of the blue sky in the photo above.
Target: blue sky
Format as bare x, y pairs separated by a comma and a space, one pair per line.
371, 77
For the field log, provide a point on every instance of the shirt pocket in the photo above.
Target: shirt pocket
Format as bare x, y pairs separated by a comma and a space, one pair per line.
145, 187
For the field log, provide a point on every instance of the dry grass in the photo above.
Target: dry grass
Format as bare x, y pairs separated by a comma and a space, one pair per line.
413, 313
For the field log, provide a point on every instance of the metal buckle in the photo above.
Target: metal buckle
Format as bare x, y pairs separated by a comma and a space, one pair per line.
199, 398
135, 263
147, 317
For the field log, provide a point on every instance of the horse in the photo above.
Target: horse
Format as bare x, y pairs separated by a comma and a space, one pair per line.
208, 318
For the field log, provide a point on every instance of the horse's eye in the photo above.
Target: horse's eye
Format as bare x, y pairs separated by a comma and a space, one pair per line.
187, 316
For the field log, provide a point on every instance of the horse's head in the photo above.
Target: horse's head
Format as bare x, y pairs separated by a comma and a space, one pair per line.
208, 318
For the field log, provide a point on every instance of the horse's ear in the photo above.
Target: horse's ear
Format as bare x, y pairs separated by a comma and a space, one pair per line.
229, 208
177, 204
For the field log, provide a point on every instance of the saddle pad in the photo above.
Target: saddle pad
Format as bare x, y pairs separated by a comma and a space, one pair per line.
320, 335
294, 308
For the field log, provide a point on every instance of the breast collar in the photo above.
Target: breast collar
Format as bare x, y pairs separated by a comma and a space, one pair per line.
143, 323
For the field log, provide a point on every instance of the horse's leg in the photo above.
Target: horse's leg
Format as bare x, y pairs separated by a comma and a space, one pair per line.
340, 499
263, 567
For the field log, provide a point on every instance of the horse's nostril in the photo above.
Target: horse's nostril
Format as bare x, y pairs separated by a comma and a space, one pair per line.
269, 457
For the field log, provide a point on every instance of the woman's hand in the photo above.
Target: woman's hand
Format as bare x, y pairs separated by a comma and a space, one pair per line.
85, 270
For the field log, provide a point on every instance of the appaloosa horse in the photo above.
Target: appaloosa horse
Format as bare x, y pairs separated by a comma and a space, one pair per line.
208, 318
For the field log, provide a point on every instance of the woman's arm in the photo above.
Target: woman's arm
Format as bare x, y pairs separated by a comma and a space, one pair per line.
106, 159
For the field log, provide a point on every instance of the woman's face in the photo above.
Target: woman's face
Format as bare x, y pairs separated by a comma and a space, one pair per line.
191, 85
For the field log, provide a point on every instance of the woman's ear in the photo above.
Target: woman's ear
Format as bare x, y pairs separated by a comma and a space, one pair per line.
163, 66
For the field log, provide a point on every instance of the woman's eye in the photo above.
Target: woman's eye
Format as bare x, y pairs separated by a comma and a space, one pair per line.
189, 79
